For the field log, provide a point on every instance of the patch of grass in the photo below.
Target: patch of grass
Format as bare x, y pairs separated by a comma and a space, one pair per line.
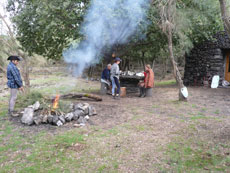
48, 79
140, 128
194, 106
186, 155
155, 106
165, 83
217, 112
29, 99
48, 154
204, 109
101, 168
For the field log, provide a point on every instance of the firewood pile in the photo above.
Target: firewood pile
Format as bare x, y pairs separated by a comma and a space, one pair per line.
36, 114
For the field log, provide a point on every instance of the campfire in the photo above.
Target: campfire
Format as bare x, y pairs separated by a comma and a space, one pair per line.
37, 114
55, 103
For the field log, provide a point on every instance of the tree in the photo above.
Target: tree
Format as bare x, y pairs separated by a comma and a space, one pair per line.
13, 48
47, 27
225, 15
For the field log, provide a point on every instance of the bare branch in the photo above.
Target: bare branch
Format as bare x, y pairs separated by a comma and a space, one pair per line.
7, 25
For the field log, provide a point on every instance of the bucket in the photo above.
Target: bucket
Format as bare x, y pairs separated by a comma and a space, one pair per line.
123, 92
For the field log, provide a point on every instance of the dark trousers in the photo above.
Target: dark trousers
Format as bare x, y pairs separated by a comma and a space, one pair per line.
142, 91
116, 82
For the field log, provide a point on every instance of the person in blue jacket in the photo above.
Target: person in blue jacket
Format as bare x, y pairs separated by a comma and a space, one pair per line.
105, 75
105, 78
14, 82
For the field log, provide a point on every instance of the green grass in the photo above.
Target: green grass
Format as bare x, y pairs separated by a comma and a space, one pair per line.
192, 156
104, 150
217, 112
51, 79
165, 83
29, 99
45, 154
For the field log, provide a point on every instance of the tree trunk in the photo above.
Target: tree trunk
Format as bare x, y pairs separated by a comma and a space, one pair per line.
125, 65
176, 71
26, 75
4, 75
90, 71
25, 70
225, 17
153, 63
143, 60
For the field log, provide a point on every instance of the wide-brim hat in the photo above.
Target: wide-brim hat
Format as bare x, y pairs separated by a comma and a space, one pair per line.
117, 59
11, 58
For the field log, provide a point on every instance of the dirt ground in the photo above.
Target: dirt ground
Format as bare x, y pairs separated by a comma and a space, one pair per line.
134, 133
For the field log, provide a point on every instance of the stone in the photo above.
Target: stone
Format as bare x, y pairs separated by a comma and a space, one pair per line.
27, 117
86, 110
59, 123
69, 117
36, 105
79, 113
84, 107
55, 119
92, 111
81, 120
50, 119
44, 118
71, 106
77, 125
78, 106
86, 117
62, 118
38, 120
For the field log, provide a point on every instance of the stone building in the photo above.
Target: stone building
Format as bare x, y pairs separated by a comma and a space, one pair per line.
208, 59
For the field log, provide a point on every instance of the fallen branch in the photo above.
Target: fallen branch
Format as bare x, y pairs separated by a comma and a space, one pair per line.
80, 95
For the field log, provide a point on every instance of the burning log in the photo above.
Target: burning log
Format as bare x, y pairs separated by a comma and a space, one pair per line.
80, 95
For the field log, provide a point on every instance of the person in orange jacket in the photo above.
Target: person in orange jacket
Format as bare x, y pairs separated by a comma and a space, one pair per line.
148, 81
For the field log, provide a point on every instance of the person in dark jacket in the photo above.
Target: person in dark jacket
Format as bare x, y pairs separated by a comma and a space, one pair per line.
14, 81
106, 73
105, 77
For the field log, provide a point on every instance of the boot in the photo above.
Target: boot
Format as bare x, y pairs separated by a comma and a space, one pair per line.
117, 97
143, 93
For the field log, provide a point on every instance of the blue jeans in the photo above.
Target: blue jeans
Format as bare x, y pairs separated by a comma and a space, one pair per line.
115, 83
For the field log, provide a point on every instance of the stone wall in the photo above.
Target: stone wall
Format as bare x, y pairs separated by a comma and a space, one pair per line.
206, 60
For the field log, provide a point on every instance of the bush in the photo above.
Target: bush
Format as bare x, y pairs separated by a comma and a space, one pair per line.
29, 99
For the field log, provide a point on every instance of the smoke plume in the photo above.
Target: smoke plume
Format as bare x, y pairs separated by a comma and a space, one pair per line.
106, 23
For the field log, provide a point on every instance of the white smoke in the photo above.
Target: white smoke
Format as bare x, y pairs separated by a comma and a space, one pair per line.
107, 22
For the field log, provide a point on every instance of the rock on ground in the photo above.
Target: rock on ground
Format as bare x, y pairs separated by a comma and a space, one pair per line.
27, 117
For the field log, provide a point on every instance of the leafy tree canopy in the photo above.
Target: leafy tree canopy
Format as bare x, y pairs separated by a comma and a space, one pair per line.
46, 27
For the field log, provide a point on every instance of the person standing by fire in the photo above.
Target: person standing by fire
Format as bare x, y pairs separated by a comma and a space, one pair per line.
14, 82
115, 74
148, 81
